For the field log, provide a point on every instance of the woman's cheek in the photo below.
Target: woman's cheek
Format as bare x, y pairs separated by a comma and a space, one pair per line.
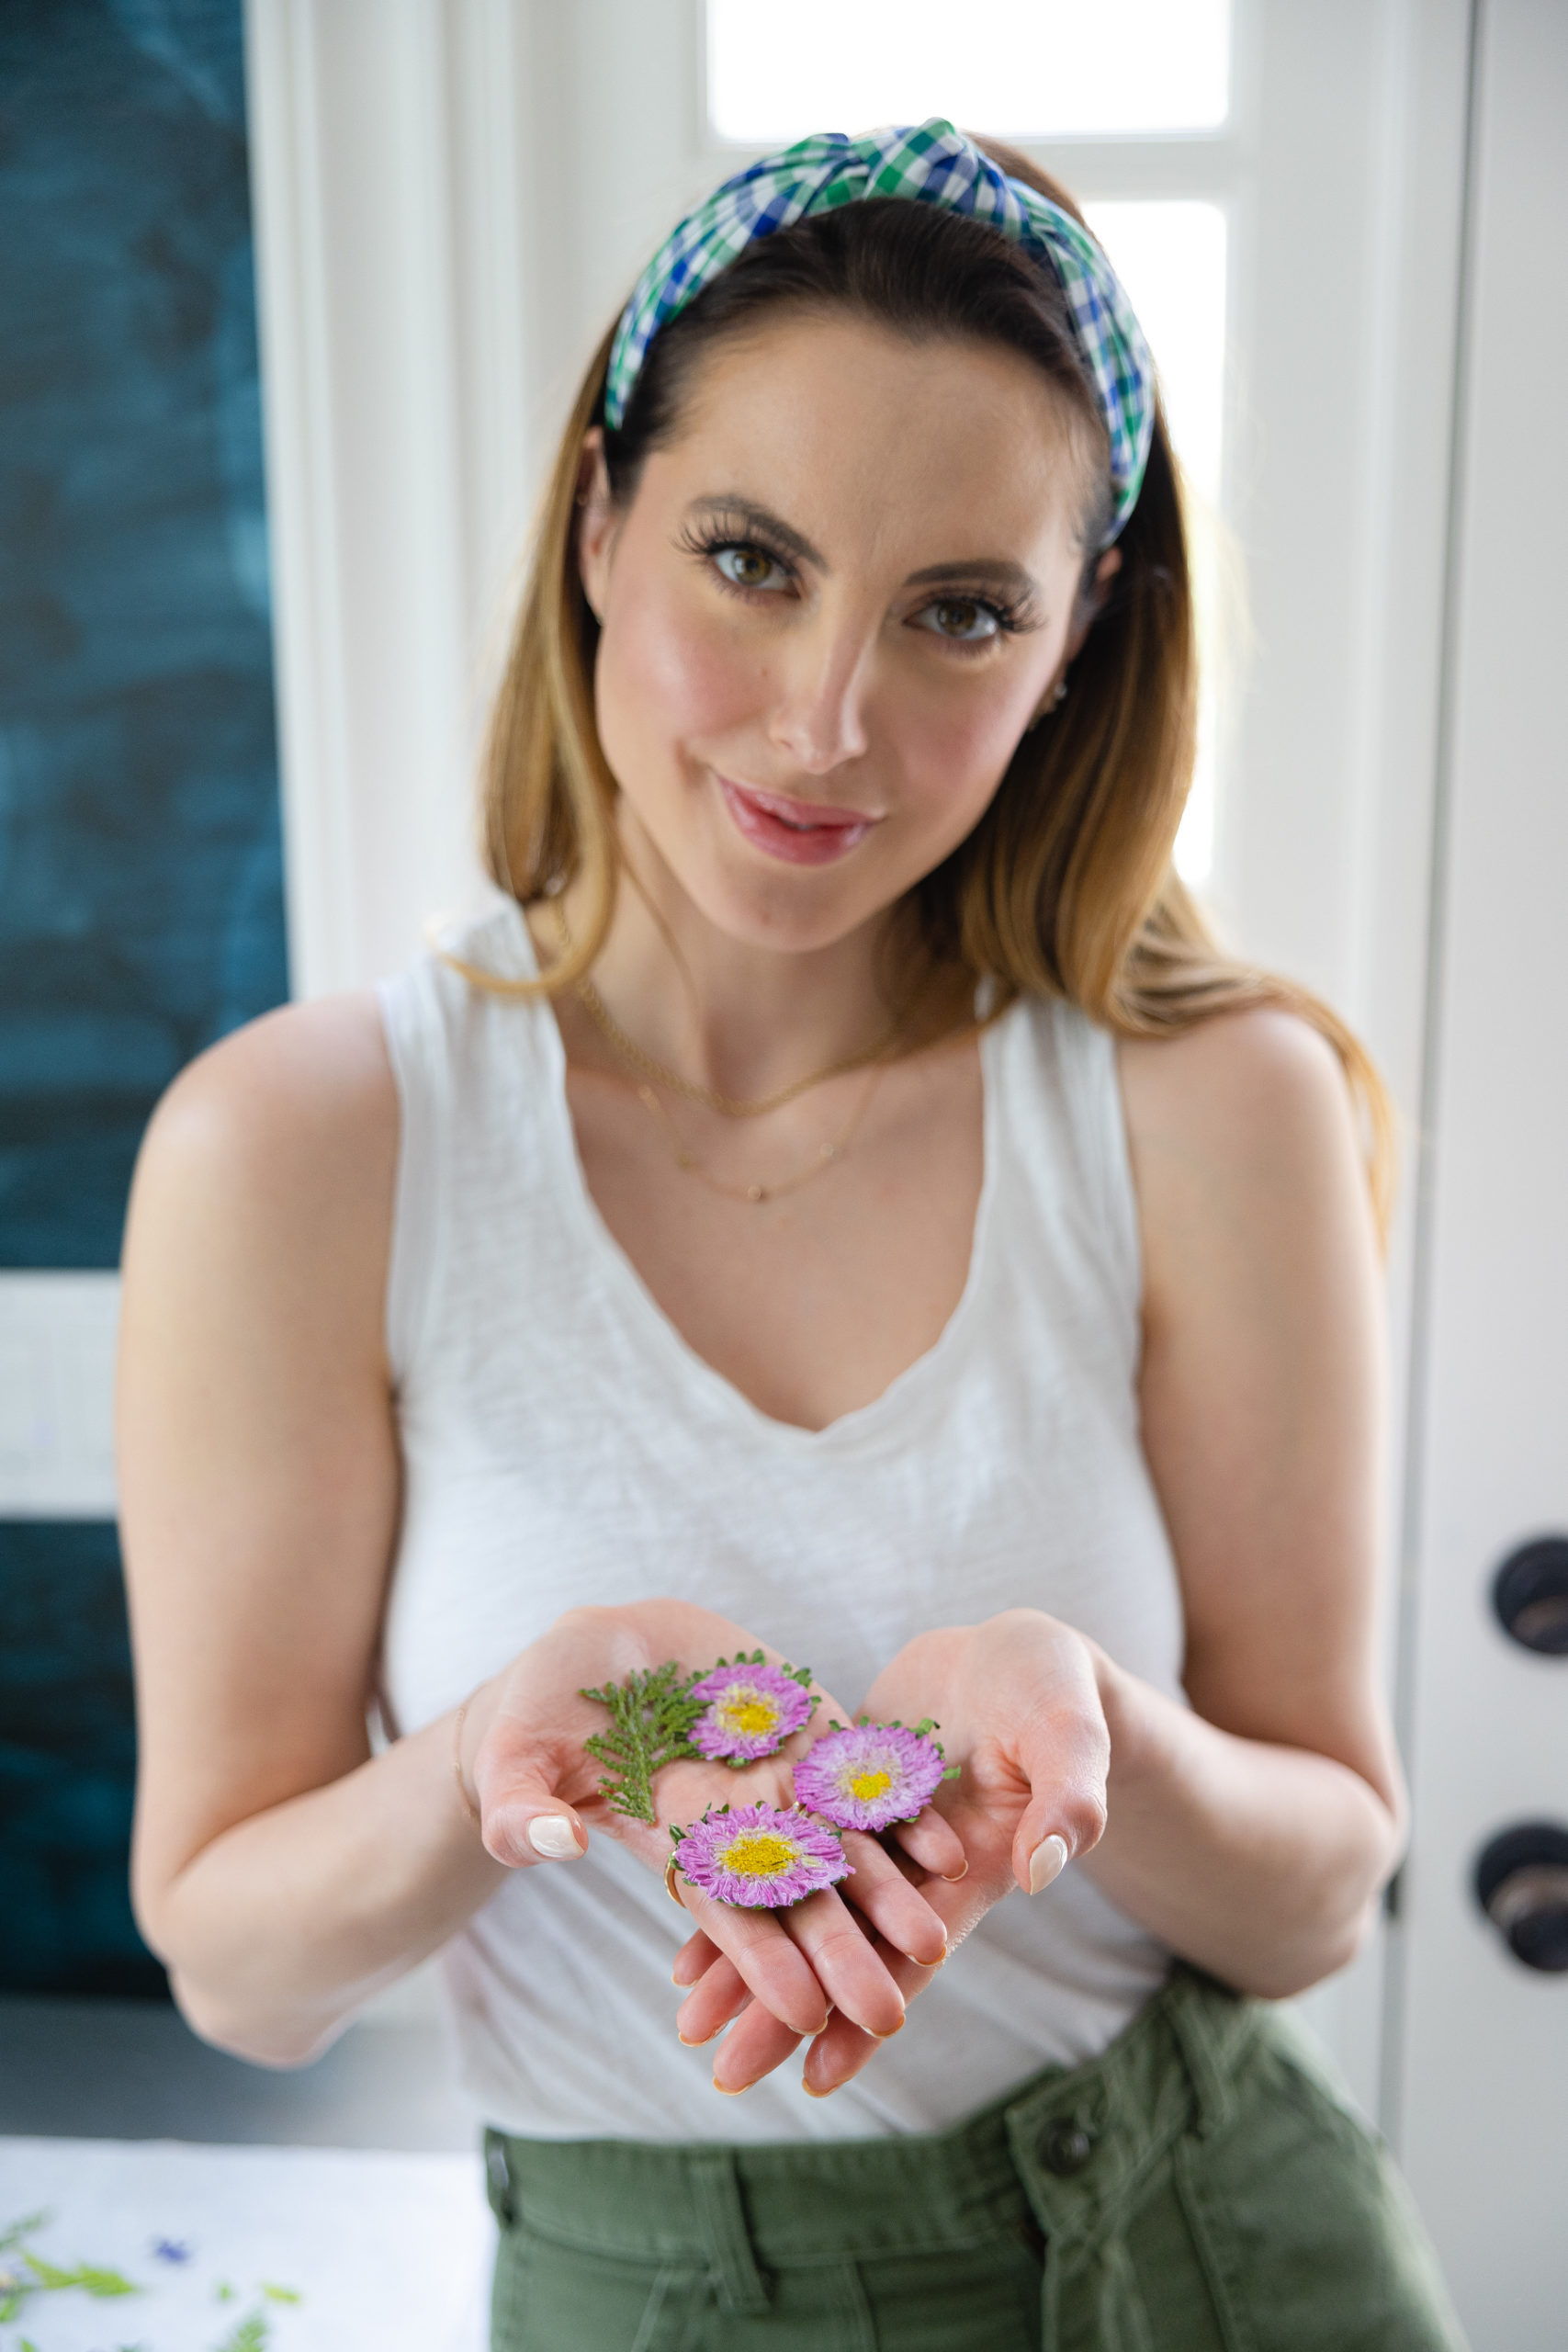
665, 680
953, 760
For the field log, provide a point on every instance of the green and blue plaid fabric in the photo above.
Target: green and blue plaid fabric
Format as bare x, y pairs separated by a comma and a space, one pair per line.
930, 164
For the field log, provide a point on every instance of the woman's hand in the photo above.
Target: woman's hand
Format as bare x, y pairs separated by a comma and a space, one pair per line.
1018, 1705
538, 1790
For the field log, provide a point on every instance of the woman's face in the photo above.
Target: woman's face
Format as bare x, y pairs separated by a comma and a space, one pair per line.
837, 599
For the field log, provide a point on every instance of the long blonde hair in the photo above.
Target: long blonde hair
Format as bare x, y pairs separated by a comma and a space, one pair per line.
1066, 884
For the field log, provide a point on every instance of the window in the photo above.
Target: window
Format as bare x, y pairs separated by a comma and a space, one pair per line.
1047, 69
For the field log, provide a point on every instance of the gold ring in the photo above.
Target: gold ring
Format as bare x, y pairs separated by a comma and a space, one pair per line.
670, 1882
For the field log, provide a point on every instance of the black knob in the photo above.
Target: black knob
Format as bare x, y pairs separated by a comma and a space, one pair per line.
1529, 1593
1521, 1883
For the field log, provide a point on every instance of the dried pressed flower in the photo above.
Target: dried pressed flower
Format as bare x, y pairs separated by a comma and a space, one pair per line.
870, 1775
749, 1708
759, 1854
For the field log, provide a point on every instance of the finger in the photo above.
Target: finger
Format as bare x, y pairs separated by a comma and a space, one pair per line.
848, 1968
754, 2045
842, 2048
934, 1843
523, 1820
696, 1955
836, 2055
719, 1997
881, 1893
774, 1966
1065, 1813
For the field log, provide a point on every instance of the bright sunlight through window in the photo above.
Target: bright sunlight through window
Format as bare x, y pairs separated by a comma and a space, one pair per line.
1034, 69
1170, 256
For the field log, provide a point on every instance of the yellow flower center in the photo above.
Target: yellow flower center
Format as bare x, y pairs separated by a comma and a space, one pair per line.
760, 1853
747, 1712
868, 1783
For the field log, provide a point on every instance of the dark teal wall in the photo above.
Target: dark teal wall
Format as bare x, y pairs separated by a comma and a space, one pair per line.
140, 874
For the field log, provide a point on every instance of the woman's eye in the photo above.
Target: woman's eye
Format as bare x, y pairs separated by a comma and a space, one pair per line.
747, 567
960, 619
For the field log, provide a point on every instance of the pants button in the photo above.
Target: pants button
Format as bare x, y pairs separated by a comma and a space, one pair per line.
1065, 2149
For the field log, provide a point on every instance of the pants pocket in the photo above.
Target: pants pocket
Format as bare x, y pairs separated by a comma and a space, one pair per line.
551, 2298
1309, 2224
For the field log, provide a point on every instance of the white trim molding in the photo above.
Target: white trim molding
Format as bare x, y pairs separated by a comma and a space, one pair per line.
58, 1334
385, 152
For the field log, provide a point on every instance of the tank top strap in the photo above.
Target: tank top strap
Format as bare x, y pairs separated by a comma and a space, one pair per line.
1063, 1134
473, 1070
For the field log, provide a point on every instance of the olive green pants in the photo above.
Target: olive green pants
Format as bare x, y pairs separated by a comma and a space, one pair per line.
1200, 2187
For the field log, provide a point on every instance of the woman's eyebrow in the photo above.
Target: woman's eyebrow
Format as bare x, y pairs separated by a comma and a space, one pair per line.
756, 518
996, 571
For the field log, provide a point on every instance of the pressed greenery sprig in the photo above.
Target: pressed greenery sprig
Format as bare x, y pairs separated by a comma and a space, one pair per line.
651, 1714
28, 2274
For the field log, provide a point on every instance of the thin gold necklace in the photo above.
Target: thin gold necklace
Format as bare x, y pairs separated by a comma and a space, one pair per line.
671, 1080
826, 1153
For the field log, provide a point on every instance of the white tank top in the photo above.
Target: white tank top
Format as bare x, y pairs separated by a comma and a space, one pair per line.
562, 1444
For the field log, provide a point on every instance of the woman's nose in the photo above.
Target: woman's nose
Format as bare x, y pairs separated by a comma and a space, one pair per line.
819, 717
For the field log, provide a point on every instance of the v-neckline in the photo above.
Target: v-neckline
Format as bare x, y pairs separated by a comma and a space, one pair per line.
663, 1338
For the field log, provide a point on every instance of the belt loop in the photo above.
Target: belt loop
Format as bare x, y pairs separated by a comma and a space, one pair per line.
1195, 2037
728, 2241
498, 2180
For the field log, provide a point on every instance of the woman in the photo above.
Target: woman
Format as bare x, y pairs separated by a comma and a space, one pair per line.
842, 1190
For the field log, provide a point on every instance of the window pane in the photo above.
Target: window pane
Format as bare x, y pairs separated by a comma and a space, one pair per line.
1039, 68
1171, 258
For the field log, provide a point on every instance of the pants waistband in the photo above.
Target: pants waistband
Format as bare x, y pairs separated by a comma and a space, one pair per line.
1050, 2154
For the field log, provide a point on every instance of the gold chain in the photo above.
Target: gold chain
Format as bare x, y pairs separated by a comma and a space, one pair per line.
671, 1080
826, 1153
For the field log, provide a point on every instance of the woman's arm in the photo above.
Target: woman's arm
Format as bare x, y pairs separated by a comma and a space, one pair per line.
283, 1872
1255, 1833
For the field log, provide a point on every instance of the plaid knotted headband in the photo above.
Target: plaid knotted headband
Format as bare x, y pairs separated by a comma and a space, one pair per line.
931, 163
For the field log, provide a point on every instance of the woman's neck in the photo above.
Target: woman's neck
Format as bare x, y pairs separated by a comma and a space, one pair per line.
743, 1020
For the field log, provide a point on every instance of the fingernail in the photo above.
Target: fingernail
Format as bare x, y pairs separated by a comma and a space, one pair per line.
687, 2043
551, 1834
889, 2034
726, 2091
951, 1878
1048, 1860
812, 2093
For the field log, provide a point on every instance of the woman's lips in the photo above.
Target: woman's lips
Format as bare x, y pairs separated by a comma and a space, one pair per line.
802, 832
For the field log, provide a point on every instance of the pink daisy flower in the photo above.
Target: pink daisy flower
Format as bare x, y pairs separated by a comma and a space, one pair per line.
870, 1775
750, 1710
759, 1855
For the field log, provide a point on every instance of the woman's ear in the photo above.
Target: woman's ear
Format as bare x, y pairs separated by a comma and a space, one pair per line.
596, 522
1090, 600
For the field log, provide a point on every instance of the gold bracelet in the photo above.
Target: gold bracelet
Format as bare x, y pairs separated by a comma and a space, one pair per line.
457, 1765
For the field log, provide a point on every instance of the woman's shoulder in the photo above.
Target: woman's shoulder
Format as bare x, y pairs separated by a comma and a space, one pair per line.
1258, 1080
287, 1126
1244, 1146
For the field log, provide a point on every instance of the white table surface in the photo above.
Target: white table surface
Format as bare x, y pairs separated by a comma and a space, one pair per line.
386, 2250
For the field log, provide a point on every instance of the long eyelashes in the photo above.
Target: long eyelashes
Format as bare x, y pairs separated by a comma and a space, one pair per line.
1008, 619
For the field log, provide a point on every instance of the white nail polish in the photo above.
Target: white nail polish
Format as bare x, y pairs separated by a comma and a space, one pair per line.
551, 1834
1048, 1860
